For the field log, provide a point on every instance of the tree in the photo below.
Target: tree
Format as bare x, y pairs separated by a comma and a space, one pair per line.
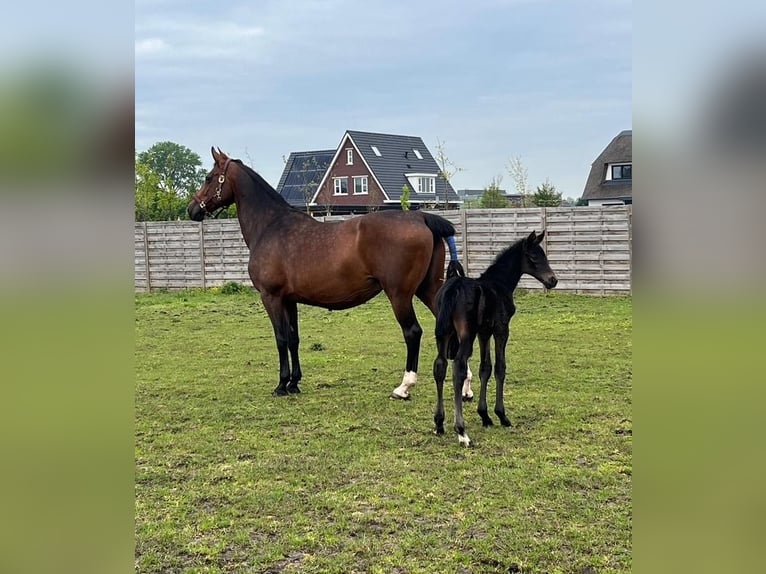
518, 173
492, 196
405, 199
447, 169
152, 202
546, 195
179, 168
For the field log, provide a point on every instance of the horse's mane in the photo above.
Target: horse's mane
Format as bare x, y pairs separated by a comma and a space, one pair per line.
262, 183
506, 262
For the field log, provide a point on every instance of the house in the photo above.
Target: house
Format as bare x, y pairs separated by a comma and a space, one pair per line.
611, 176
474, 195
367, 171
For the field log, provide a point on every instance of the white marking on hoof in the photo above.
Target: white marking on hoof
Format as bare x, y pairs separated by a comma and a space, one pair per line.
464, 440
467, 392
403, 391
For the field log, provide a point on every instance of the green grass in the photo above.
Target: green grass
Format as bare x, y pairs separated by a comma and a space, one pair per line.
343, 479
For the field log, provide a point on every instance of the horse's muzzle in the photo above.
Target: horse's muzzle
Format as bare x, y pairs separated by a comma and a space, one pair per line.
196, 213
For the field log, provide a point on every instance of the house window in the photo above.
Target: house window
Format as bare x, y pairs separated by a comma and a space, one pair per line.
425, 185
360, 185
340, 185
417, 154
623, 171
349, 157
376, 151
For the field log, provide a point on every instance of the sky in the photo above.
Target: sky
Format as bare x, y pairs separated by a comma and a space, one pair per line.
547, 81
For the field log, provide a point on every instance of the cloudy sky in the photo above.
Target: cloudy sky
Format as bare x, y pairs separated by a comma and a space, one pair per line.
549, 81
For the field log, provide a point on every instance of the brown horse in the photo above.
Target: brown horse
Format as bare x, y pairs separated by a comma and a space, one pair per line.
336, 265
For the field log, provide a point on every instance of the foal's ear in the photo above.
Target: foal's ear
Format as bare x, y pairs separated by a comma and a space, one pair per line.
540, 237
531, 238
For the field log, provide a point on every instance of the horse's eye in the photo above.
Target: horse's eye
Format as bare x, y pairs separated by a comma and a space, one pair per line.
208, 179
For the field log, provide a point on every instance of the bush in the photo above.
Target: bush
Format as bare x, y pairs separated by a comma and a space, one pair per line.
234, 288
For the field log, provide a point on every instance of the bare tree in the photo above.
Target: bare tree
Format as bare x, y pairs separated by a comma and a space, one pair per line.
518, 173
447, 169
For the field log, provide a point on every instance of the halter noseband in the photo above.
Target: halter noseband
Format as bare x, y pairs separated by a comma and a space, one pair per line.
221, 180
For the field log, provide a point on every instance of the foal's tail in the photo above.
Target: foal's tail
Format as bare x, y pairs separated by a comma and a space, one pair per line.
447, 299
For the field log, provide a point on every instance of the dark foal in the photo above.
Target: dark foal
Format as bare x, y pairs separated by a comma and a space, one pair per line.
483, 308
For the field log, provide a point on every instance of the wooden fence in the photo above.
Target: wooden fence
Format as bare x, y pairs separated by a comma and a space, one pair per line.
589, 248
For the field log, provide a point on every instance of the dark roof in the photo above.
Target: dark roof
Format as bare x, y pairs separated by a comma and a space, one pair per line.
302, 169
619, 150
397, 158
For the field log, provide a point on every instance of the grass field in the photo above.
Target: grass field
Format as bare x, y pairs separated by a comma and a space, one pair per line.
342, 479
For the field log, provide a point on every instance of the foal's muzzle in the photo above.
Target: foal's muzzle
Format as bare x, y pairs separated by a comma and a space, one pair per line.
550, 282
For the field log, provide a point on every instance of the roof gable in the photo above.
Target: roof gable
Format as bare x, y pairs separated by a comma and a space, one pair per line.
619, 150
397, 157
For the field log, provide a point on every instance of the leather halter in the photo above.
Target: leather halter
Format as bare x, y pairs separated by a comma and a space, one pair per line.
221, 180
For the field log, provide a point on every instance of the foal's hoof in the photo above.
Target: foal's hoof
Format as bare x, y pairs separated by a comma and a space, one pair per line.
279, 392
439, 430
464, 440
400, 398
506, 422
293, 389
487, 422
467, 398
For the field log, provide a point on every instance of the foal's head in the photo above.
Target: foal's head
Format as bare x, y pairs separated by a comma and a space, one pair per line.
216, 191
534, 262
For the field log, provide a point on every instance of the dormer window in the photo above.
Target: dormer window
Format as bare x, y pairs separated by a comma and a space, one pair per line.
349, 156
417, 154
376, 151
620, 172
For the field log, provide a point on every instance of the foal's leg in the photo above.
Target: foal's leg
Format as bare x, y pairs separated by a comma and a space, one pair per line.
501, 338
280, 321
440, 373
405, 315
485, 370
293, 343
459, 369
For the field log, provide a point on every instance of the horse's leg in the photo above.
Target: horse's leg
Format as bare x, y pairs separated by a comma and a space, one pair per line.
467, 392
405, 315
440, 373
293, 343
501, 338
485, 370
280, 321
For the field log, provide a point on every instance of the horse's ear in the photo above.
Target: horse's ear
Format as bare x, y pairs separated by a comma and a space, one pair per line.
540, 237
214, 153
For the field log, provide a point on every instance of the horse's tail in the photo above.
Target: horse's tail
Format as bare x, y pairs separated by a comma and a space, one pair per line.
443, 229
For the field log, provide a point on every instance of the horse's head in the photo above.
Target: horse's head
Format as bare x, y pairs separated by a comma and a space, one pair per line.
535, 262
216, 191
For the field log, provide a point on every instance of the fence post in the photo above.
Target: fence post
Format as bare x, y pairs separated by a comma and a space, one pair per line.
464, 239
544, 245
146, 260
202, 252
630, 246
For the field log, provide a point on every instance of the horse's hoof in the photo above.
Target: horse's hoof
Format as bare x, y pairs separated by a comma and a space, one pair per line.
439, 430
279, 392
294, 390
399, 398
467, 398
505, 422
464, 440
487, 423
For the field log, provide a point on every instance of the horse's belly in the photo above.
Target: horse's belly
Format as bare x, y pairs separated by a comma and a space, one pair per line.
337, 295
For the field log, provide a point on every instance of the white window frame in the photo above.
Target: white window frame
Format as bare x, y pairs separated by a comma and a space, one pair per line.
417, 181
337, 185
364, 186
376, 151
350, 156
